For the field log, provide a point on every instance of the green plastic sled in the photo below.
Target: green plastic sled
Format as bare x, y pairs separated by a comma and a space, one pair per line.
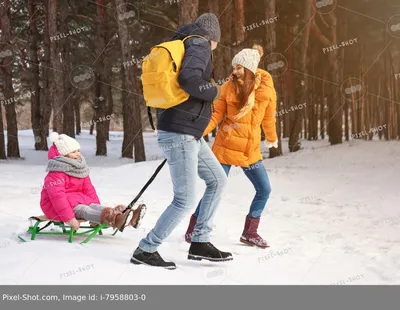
35, 229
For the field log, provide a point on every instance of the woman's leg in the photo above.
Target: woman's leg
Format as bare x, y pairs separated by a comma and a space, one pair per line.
257, 175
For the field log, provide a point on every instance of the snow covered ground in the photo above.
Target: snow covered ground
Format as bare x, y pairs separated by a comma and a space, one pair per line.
333, 218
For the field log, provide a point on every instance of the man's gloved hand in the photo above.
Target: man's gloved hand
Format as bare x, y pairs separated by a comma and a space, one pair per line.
218, 89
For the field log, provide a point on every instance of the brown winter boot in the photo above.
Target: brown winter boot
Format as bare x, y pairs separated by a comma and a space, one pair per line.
250, 235
115, 219
189, 232
138, 215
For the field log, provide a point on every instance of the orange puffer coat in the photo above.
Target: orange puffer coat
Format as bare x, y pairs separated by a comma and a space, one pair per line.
238, 141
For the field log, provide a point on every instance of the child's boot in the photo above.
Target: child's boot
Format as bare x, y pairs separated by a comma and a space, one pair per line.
138, 215
114, 218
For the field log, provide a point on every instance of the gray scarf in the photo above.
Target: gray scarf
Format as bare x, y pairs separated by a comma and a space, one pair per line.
73, 167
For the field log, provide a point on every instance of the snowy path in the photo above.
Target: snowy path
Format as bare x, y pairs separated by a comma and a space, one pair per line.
333, 218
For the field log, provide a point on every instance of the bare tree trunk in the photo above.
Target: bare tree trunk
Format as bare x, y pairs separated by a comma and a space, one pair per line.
239, 20
77, 110
322, 110
188, 10
68, 107
57, 83
102, 82
213, 6
227, 35
36, 113
294, 142
269, 47
6, 72
45, 102
133, 132
2, 140
335, 111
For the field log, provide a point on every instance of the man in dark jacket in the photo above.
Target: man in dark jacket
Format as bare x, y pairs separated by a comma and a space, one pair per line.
180, 131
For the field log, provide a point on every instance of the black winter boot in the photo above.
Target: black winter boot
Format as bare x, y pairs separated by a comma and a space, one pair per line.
150, 259
206, 250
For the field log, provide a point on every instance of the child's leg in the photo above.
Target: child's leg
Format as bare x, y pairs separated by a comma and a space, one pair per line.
98, 214
88, 213
96, 206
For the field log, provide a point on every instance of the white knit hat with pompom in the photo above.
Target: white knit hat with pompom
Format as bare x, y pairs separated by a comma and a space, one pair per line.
64, 144
249, 58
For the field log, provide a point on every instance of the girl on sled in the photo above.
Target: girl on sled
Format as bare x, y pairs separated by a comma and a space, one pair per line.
68, 194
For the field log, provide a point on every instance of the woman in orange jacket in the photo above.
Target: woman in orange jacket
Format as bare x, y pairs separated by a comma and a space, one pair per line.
248, 100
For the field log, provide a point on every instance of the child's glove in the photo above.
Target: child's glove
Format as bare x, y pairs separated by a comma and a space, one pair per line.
271, 144
74, 223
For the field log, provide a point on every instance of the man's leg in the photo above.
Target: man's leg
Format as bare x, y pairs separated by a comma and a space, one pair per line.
193, 218
226, 168
211, 171
181, 152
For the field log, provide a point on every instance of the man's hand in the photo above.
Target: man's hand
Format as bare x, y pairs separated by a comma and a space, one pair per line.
218, 89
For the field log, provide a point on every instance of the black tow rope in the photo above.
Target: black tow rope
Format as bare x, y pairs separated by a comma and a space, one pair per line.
130, 206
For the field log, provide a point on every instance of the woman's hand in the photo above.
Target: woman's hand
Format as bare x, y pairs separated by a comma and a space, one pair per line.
74, 223
271, 144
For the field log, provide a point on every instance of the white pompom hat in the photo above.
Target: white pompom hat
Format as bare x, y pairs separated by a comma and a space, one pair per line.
248, 58
64, 144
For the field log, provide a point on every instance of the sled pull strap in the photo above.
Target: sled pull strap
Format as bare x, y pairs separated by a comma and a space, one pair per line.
130, 206
45, 226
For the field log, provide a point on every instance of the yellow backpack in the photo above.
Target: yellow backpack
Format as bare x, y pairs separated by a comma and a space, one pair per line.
160, 71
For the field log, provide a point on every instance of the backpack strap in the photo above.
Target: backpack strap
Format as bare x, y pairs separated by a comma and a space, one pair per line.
194, 36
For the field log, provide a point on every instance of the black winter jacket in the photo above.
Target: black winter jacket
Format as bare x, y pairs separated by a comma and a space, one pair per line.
192, 116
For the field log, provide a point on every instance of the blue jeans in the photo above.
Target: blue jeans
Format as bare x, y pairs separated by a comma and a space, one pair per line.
257, 175
187, 159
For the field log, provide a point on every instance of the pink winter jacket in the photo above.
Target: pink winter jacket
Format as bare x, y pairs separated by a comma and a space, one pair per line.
61, 193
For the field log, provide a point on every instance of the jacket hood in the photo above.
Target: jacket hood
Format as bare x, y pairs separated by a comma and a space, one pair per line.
53, 152
190, 29
266, 78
